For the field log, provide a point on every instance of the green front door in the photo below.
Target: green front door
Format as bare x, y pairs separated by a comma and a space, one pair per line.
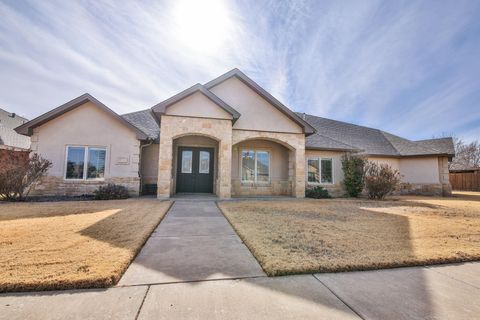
195, 170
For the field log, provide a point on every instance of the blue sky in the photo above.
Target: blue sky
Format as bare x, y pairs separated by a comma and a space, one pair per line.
408, 67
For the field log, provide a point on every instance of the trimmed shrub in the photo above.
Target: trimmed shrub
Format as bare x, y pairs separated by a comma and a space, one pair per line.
353, 169
317, 192
380, 180
18, 179
111, 192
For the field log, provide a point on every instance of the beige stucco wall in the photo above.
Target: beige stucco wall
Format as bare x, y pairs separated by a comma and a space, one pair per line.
197, 105
419, 175
256, 112
149, 164
415, 169
420, 170
336, 188
87, 125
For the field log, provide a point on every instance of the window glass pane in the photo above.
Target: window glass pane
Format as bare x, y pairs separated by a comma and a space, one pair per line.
313, 171
75, 162
327, 171
96, 163
204, 162
187, 161
263, 166
248, 165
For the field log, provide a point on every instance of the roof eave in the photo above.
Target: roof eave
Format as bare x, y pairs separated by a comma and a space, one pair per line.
333, 149
27, 128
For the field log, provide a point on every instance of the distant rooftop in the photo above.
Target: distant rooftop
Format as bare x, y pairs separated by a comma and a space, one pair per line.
8, 136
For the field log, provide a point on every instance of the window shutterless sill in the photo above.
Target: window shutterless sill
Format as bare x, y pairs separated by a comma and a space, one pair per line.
320, 184
83, 180
255, 184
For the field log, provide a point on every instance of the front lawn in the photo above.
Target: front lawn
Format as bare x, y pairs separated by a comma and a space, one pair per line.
306, 236
74, 244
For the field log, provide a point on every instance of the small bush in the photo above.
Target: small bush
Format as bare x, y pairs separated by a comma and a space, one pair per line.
353, 170
17, 180
317, 193
380, 180
111, 192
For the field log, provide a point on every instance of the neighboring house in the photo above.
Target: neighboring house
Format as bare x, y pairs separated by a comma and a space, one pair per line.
228, 137
9, 139
13, 146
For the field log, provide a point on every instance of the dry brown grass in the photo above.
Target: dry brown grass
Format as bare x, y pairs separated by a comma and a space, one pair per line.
75, 244
306, 236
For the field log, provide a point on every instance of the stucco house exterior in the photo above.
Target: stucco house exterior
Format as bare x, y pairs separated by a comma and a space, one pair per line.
228, 137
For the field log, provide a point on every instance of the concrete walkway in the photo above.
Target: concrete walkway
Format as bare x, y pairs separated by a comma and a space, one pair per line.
194, 242
195, 267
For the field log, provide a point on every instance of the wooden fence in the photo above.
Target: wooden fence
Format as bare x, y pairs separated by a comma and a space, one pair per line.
465, 181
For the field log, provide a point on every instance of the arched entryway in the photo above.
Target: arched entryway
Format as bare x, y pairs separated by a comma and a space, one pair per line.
194, 168
263, 167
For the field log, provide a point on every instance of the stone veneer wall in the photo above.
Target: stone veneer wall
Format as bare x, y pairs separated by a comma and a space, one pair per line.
335, 190
173, 127
444, 174
54, 186
295, 143
274, 188
421, 189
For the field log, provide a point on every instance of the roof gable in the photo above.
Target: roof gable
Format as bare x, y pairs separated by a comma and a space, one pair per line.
27, 128
162, 107
306, 127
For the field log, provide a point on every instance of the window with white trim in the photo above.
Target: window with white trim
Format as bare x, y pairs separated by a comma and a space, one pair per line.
319, 170
85, 163
255, 166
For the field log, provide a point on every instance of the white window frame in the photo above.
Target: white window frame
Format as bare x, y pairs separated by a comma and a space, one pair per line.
85, 162
255, 169
319, 160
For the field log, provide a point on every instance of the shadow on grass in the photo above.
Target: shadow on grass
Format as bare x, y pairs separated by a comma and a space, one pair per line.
30, 210
170, 258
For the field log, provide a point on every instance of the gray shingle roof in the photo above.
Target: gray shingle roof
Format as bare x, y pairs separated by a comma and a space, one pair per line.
334, 135
145, 121
443, 145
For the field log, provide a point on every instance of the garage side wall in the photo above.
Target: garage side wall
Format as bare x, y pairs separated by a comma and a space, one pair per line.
88, 126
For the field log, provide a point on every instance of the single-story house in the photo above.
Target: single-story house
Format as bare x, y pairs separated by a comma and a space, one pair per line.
228, 137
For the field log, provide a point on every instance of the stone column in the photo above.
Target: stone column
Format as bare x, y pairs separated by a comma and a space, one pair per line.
299, 191
444, 176
225, 167
165, 157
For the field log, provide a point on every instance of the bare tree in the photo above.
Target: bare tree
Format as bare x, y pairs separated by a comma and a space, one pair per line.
467, 155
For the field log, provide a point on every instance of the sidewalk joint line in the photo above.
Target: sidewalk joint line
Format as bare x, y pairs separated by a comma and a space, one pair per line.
188, 281
338, 297
449, 276
143, 301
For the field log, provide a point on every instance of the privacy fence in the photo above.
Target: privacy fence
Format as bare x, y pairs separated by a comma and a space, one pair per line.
465, 180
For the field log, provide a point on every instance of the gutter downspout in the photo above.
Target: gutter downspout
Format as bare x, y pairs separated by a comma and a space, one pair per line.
140, 164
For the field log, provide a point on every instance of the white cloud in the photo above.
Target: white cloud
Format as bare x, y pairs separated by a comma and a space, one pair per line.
400, 67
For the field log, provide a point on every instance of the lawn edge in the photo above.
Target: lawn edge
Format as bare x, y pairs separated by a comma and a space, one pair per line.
350, 268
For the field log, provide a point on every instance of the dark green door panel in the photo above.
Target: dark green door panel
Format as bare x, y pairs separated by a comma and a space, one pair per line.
195, 170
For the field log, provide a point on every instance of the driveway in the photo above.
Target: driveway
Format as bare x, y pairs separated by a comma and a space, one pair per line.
195, 267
